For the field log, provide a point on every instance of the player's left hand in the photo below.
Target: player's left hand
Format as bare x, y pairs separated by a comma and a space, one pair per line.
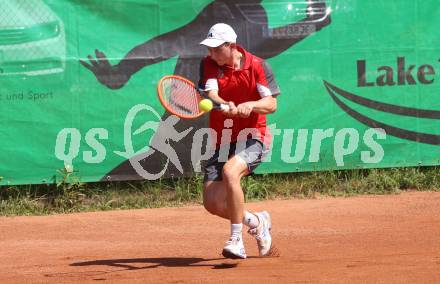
245, 109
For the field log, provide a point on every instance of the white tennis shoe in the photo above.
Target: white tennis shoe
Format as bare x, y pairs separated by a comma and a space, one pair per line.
262, 233
234, 248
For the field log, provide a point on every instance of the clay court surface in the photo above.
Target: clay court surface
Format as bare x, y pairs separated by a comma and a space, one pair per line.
370, 239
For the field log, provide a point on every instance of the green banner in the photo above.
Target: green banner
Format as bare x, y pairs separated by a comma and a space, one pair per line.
359, 84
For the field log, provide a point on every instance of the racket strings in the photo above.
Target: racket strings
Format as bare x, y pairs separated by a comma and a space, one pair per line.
181, 97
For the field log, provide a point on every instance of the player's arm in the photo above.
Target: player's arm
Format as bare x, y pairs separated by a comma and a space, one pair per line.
264, 105
213, 95
208, 82
268, 90
232, 109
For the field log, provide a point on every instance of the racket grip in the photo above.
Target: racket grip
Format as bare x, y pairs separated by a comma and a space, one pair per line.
216, 106
224, 107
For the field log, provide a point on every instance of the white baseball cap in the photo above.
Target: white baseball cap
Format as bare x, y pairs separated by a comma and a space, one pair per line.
219, 34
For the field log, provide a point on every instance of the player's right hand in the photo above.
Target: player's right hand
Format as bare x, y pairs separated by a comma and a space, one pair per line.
232, 111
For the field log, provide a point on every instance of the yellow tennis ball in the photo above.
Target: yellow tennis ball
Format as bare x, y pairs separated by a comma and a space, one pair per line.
205, 105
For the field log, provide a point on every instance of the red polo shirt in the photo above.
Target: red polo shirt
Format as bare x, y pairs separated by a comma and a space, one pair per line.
252, 82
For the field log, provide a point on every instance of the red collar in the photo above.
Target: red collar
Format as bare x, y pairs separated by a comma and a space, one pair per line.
246, 55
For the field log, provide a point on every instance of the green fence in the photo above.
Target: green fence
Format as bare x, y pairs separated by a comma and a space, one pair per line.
359, 83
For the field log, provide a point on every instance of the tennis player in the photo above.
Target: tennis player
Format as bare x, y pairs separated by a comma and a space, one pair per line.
231, 75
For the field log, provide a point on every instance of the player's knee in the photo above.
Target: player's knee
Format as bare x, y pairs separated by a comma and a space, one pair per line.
230, 175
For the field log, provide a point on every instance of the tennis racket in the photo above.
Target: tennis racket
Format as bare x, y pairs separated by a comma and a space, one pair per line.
180, 97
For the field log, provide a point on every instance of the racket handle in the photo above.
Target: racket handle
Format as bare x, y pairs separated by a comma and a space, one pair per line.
224, 107
216, 106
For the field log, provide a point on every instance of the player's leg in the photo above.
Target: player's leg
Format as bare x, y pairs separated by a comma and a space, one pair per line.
259, 223
214, 198
215, 187
233, 170
215, 194
214, 201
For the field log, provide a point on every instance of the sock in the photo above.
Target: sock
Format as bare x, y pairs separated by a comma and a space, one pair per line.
250, 220
236, 230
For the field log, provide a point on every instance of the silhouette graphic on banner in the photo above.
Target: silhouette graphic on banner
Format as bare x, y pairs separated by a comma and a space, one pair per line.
249, 20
